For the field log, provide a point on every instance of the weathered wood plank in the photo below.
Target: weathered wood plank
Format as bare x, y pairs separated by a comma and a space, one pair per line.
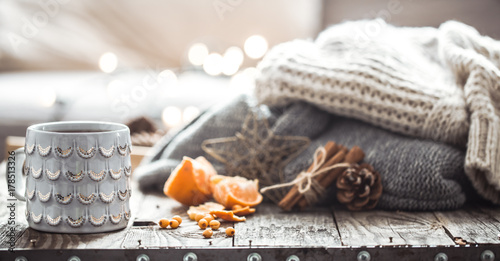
269, 226
109, 240
493, 211
376, 228
152, 207
9, 234
11, 230
7, 216
472, 225
188, 234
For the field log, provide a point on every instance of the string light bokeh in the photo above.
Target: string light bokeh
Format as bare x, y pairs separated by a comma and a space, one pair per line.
232, 60
171, 116
212, 64
108, 62
218, 64
256, 46
235, 62
197, 54
168, 77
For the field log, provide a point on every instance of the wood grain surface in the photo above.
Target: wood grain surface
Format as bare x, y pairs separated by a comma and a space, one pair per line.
188, 234
269, 226
384, 228
6, 234
110, 240
6, 215
473, 225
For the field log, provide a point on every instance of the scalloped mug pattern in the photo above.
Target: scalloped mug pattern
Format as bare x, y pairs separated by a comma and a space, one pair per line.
77, 181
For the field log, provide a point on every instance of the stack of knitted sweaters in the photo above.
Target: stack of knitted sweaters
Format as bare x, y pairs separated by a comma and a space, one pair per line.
424, 104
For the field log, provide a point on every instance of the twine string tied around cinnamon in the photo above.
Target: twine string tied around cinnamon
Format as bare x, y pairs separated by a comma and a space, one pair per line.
306, 183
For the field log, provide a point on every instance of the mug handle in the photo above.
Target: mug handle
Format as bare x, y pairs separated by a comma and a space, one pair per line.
15, 168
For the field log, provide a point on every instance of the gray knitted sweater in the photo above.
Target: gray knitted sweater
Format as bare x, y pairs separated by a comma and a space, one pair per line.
442, 84
416, 174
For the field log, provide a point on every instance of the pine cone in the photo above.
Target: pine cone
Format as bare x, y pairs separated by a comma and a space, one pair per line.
359, 187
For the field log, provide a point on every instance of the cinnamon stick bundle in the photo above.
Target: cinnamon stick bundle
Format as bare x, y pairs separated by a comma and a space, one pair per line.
335, 154
293, 196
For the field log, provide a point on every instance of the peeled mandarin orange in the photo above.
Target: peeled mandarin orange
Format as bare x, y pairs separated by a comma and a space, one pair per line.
230, 191
203, 209
203, 177
216, 179
227, 215
188, 183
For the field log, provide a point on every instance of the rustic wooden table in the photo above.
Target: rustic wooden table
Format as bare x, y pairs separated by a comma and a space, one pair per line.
333, 233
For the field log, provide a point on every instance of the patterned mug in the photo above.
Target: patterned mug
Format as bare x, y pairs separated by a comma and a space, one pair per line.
77, 176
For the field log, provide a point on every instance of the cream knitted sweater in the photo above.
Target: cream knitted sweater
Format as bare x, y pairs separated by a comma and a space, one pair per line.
442, 84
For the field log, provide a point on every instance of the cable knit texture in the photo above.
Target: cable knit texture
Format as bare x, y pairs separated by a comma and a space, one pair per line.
442, 84
416, 174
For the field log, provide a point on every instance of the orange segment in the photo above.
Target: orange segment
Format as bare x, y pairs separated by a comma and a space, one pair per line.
187, 183
227, 215
205, 173
204, 209
214, 180
244, 211
230, 191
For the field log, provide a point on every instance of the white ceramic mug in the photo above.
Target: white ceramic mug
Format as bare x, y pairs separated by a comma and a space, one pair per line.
77, 176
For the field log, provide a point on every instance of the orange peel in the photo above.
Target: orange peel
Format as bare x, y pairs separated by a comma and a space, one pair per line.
230, 191
244, 211
189, 181
203, 209
227, 215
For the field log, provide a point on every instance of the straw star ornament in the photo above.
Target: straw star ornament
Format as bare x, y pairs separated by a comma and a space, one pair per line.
256, 152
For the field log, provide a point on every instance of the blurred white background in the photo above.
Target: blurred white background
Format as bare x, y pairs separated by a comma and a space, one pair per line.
169, 60
70, 34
